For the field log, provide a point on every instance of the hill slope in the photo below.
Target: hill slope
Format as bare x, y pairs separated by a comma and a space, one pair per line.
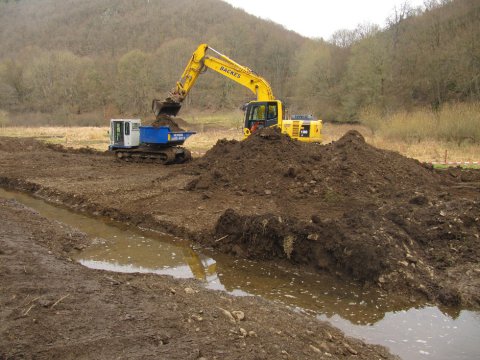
156, 35
71, 56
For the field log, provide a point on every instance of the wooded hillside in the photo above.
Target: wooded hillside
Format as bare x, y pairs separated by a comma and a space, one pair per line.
114, 56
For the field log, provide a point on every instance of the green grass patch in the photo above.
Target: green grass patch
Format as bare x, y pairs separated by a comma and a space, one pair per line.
463, 166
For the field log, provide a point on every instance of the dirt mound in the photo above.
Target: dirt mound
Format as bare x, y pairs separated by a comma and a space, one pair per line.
347, 208
82, 150
407, 247
174, 123
326, 244
273, 163
463, 175
12, 145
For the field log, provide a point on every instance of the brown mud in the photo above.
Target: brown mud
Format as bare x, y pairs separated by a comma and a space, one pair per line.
346, 208
174, 123
352, 209
53, 308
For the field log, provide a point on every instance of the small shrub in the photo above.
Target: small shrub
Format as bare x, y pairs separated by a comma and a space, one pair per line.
372, 118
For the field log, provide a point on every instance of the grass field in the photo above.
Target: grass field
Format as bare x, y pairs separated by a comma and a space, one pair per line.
217, 127
76, 137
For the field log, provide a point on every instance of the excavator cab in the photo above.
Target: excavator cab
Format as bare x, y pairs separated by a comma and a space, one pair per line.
260, 114
124, 133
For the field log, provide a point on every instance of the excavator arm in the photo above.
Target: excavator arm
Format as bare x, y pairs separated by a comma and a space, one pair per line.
200, 62
265, 111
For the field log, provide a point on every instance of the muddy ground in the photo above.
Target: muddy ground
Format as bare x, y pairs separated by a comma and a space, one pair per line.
346, 208
53, 308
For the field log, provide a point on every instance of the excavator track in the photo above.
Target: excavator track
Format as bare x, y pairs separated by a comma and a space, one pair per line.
166, 156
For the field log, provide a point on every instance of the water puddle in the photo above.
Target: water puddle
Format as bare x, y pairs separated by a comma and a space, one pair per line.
413, 331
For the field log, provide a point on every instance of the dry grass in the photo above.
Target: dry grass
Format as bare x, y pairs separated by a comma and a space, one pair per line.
211, 128
202, 141
228, 120
431, 150
426, 150
459, 123
97, 138
76, 137
332, 132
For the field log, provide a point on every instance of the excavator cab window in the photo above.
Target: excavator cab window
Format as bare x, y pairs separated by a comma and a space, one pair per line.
272, 111
258, 112
118, 138
261, 114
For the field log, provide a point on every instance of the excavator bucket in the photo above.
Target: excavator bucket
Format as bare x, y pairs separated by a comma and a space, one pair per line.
168, 107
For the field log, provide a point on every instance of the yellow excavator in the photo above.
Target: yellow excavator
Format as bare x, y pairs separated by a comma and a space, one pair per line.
266, 111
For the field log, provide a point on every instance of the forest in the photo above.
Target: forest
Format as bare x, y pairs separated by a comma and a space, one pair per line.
103, 58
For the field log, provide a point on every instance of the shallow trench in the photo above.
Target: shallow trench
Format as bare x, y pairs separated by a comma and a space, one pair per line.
412, 330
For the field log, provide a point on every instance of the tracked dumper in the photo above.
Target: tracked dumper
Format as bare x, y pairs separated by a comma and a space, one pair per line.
130, 141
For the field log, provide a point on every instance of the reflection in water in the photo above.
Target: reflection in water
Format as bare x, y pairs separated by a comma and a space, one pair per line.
410, 330
146, 255
424, 333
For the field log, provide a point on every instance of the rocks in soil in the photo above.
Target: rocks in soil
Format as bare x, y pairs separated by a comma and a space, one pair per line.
238, 315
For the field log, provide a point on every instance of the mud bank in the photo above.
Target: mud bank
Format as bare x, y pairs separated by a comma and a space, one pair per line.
346, 208
55, 308
351, 209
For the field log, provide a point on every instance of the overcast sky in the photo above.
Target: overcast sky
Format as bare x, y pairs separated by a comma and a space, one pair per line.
321, 18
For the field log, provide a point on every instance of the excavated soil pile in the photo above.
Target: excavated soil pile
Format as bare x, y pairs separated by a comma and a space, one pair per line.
347, 208
21, 144
269, 162
82, 150
174, 123
463, 175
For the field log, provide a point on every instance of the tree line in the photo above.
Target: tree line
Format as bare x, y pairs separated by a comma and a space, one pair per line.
79, 57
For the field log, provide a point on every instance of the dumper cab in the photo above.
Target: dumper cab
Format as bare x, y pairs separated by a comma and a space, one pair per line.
124, 133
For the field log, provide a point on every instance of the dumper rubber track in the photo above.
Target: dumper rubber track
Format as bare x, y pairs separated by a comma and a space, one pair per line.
166, 156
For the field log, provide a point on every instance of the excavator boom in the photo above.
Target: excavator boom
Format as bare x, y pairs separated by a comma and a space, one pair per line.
222, 64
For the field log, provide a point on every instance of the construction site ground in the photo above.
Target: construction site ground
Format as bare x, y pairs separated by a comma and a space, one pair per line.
346, 209
53, 308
